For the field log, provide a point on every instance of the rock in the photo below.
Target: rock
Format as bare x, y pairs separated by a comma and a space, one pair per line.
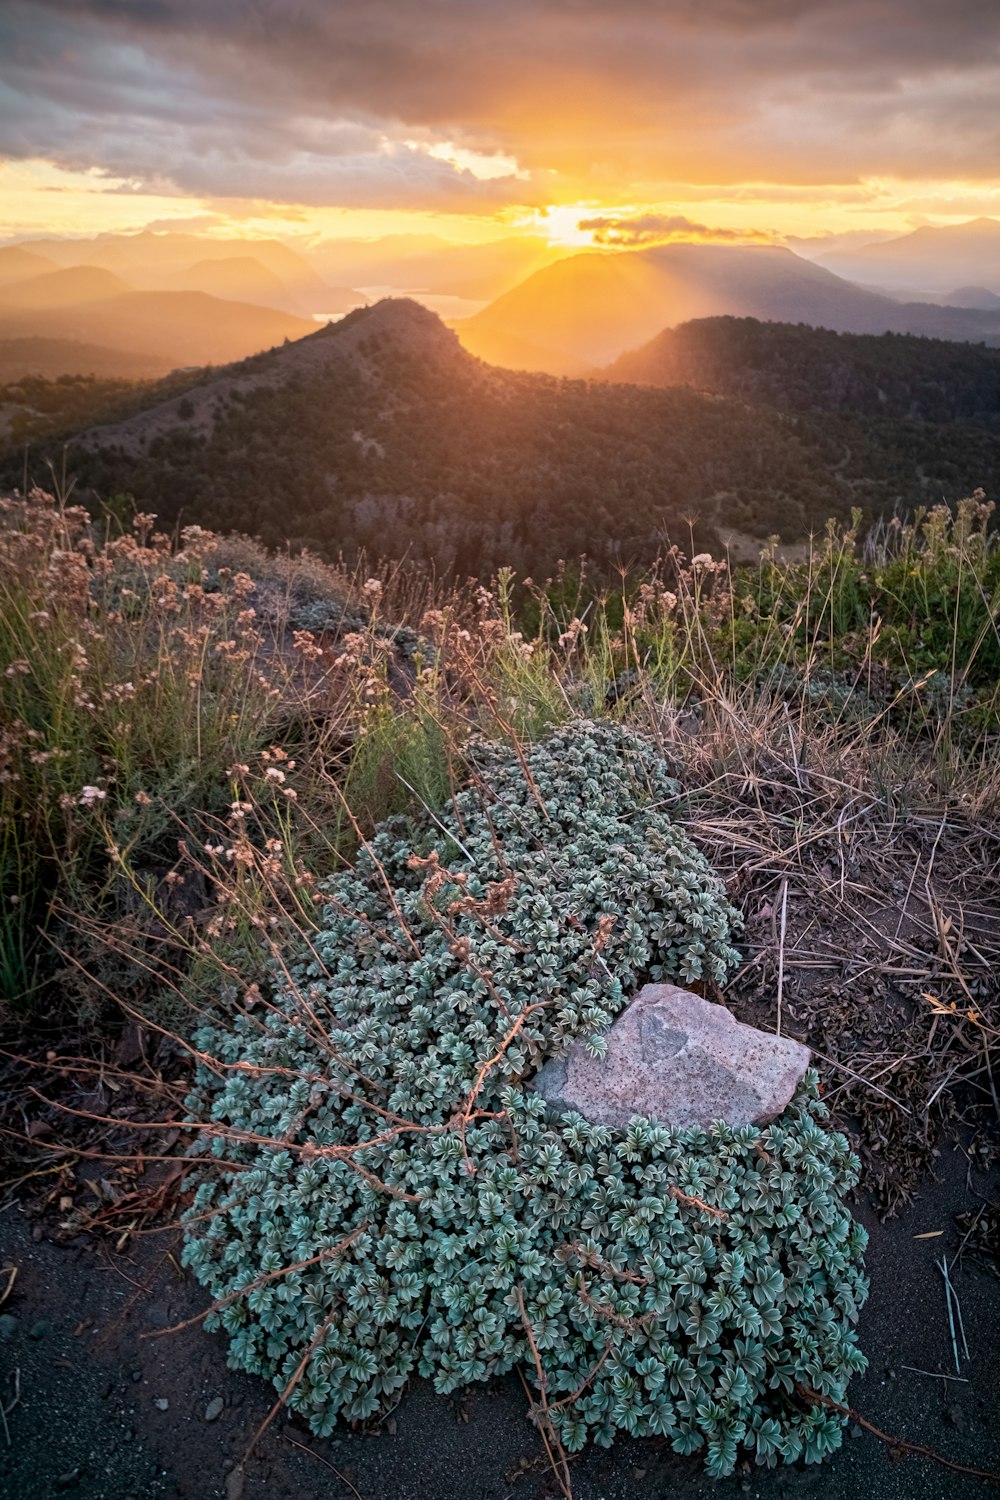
40, 1330
161, 1403
680, 1060
8, 1325
214, 1409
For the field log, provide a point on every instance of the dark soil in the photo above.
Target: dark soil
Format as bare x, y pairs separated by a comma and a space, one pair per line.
105, 1412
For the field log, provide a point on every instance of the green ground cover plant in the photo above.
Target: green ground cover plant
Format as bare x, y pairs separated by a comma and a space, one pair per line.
376, 1109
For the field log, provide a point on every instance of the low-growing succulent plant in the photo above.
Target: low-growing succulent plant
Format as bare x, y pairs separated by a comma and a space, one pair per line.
386, 1145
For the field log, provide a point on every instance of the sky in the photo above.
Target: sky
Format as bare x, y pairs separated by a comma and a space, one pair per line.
643, 120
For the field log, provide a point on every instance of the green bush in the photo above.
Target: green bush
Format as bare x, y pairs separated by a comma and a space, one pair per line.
402, 1200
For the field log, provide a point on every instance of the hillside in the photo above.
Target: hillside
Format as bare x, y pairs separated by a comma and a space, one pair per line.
54, 357
61, 289
798, 368
17, 264
381, 432
177, 328
932, 258
891, 415
593, 307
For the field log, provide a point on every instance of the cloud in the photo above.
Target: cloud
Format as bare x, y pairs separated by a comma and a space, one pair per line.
662, 229
350, 103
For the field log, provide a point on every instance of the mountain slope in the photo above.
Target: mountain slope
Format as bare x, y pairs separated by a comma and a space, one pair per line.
65, 288
930, 259
239, 278
906, 419
17, 264
147, 258
51, 358
595, 306
972, 296
180, 328
798, 368
381, 432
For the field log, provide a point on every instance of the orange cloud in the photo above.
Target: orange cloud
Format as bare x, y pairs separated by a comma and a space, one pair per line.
663, 229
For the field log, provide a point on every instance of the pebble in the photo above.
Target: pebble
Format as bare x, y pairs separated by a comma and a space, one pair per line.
40, 1329
161, 1403
136, 1376
956, 1416
857, 1431
67, 1480
8, 1325
214, 1409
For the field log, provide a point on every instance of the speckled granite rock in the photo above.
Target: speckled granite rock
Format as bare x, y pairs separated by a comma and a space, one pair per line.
678, 1059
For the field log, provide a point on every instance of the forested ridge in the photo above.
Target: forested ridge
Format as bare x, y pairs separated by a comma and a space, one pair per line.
381, 433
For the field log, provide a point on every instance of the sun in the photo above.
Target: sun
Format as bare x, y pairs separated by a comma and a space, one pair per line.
559, 224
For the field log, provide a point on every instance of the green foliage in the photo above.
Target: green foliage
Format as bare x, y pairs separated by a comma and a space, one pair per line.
672, 1282
922, 602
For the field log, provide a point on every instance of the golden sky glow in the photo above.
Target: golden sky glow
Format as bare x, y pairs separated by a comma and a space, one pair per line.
776, 118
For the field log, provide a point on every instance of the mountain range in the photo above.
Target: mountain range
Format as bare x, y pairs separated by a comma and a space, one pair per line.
588, 309
147, 260
381, 432
86, 304
931, 259
550, 310
121, 304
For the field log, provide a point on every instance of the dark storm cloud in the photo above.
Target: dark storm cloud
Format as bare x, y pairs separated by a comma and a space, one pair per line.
335, 101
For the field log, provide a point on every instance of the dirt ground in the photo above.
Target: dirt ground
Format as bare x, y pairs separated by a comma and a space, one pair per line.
99, 1410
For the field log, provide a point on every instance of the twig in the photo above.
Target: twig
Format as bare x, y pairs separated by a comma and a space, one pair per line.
541, 1415
259, 1281
692, 1202
781, 952
943, 1268
832, 1063
593, 1260
5, 1410
435, 819
10, 1282
933, 1375
300, 1370
900, 1443
585, 1382
326, 1462
463, 1116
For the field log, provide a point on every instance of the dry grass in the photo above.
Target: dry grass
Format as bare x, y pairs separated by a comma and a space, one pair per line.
183, 759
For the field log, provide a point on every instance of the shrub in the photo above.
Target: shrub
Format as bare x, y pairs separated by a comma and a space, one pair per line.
402, 1200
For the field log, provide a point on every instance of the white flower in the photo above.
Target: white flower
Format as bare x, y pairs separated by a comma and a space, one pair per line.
91, 794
